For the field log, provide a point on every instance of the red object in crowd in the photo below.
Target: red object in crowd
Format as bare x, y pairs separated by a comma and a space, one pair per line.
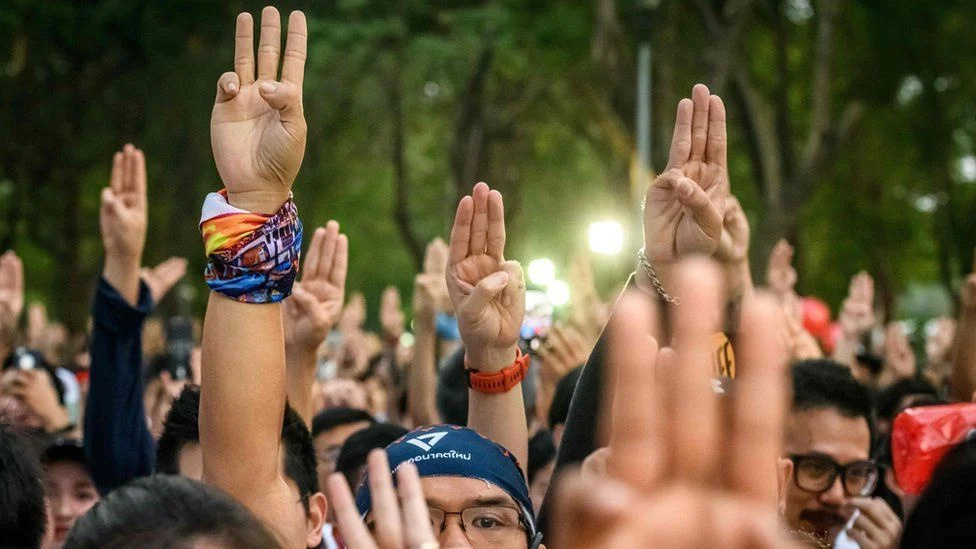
834, 333
921, 437
816, 318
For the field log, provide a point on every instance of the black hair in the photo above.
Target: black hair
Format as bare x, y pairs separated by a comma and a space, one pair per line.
167, 511
542, 450
452, 390
822, 383
182, 427
889, 399
22, 513
326, 420
352, 457
563, 395
945, 515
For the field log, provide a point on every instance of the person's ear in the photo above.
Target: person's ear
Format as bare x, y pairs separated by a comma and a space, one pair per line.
318, 507
784, 469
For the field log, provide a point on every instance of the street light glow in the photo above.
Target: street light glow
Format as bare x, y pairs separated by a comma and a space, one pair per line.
558, 293
606, 237
542, 272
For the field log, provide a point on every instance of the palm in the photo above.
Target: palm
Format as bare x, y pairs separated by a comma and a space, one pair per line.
493, 323
684, 206
253, 147
257, 128
309, 329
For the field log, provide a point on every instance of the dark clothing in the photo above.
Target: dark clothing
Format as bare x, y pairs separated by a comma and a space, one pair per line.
118, 444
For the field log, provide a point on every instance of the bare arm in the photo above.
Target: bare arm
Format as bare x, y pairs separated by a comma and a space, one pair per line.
429, 296
963, 379
489, 297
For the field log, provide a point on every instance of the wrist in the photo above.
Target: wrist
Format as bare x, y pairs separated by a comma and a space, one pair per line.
56, 420
490, 359
259, 202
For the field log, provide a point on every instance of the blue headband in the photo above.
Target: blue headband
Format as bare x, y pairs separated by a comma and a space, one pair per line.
452, 451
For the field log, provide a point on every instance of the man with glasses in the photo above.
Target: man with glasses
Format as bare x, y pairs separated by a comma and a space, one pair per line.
826, 476
476, 492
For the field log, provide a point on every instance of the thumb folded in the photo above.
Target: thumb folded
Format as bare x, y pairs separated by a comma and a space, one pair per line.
486, 289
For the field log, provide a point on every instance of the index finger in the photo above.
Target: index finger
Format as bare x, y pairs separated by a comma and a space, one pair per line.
244, 48
296, 50
311, 267
354, 531
632, 397
461, 232
681, 138
416, 517
340, 265
760, 401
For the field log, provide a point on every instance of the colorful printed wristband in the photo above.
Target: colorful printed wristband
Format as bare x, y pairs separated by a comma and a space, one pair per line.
252, 258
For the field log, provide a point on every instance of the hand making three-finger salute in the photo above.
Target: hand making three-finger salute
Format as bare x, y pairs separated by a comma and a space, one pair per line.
488, 294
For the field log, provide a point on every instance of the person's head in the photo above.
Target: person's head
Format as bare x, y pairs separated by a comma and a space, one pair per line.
331, 428
169, 511
829, 429
542, 462
24, 367
68, 488
475, 489
178, 453
559, 409
22, 515
945, 513
901, 395
351, 461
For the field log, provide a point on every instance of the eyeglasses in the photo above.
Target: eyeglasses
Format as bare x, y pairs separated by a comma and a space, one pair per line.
494, 524
817, 473
491, 525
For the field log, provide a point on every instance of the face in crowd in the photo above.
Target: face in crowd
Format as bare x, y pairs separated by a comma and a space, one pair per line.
68, 493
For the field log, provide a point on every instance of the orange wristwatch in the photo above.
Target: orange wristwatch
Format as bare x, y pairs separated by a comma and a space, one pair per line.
501, 381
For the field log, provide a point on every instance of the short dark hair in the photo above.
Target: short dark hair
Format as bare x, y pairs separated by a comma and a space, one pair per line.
559, 409
167, 511
326, 420
352, 456
182, 427
889, 399
945, 515
22, 512
822, 383
542, 450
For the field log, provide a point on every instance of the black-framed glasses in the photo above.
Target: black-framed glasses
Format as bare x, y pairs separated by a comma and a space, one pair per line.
817, 473
484, 525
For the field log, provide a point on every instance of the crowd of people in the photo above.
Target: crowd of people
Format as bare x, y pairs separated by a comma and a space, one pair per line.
694, 410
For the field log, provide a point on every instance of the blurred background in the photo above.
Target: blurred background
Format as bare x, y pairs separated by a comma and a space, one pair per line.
852, 126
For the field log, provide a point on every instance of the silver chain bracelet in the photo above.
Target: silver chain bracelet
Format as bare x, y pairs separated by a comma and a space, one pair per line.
655, 281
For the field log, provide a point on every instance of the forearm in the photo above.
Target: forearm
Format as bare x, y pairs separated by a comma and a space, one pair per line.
117, 441
963, 376
422, 382
122, 273
499, 417
299, 377
242, 397
739, 279
845, 351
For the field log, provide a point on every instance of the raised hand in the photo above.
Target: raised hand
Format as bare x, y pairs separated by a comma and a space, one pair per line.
780, 274
430, 294
684, 206
899, 359
488, 292
563, 350
316, 301
353, 314
857, 312
670, 485
122, 220
257, 128
393, 525
391, 315
11, 297
164, 276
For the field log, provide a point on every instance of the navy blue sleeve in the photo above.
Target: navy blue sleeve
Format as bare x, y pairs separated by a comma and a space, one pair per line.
118, 444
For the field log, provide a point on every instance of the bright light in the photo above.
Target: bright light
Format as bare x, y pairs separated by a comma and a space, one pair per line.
558, 292
542, 272
606, 237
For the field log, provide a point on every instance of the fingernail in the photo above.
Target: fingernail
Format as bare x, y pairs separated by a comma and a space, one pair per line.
231, 87
268, 88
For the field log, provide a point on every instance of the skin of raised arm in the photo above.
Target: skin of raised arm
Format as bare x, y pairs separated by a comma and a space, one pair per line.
963, 377
422, 381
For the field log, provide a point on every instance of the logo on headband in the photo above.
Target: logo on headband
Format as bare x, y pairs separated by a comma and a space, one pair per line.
432, 439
